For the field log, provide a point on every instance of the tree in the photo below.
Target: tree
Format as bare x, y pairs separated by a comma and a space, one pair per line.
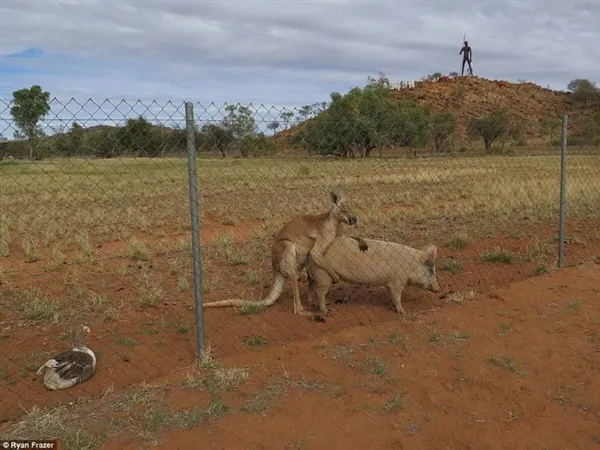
305, 111
287, 116
140, 137
258, 145
581, 84
75, 146
105, 143
589, 134
381, 82
319, 107
216, 136
550, 129
239, 121
273, 126
58, 143
432, 76
490, 127
442, 126
583, 89
29, 107
364, 119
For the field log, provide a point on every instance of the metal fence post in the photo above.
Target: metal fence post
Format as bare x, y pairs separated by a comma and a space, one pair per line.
563, 194
196, 255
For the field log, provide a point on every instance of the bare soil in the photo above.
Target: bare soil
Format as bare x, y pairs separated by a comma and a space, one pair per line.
148, 342
517, 367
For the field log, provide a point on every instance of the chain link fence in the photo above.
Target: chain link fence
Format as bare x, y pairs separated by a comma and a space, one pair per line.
95, 227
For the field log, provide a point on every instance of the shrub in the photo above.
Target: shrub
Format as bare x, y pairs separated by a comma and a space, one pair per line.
363, 120
490, 127
442, 127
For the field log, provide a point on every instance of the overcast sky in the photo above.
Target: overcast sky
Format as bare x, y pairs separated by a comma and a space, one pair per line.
284, 53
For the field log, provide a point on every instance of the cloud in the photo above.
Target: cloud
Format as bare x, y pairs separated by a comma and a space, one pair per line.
31, 52
285, 53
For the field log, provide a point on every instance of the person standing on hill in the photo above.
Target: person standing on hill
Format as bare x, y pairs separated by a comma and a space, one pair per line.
467, 58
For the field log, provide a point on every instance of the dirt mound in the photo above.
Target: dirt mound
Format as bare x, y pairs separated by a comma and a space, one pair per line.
528, 104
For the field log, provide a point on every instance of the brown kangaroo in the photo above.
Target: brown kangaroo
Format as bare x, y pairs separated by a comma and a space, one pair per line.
302, 236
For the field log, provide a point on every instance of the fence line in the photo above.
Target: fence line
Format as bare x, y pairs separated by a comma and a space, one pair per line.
97, 230
563, 194
195, 228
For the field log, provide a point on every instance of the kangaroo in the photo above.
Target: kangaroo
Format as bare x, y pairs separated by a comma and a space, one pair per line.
302, 236
384, 264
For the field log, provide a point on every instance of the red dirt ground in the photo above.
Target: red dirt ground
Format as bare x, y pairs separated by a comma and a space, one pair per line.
129, 348
518, 368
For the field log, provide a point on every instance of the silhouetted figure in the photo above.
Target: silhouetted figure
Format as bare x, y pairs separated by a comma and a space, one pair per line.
467, 57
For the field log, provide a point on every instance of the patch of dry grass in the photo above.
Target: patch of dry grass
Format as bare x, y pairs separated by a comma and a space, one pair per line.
131, 196
76, 431
87, 423
35, 306
149, 291
540, 250
5, 238
451, 265
252, 308
217, 379
137, 249
461, 297
258, 402
499, 255
31, 250
457, 241
110, 307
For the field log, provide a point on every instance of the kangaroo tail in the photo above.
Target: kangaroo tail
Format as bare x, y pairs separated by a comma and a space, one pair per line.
276, 290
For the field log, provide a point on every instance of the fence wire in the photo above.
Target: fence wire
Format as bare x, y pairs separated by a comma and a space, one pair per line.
95, 227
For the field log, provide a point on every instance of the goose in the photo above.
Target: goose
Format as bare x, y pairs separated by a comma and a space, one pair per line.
72, 366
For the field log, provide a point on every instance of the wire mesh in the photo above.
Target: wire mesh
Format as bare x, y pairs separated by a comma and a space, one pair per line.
95, 225
94, 230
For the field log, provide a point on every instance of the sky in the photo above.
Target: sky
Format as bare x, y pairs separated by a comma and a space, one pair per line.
280, 54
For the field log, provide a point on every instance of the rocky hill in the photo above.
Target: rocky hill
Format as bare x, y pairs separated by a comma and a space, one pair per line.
531, 107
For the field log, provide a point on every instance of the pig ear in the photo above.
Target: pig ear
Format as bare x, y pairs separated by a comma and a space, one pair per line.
430, 254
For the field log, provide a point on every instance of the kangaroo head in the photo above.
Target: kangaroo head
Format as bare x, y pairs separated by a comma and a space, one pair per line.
340, 210
425, 272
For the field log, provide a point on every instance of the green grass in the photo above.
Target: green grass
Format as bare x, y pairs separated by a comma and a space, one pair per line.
255, 341
498, 255
573, 306
507, 364
451, 265
457, 241
375, 366
434, 337
126, 342
396, 403
252, 309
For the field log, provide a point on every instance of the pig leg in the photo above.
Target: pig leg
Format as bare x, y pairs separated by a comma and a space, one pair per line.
395, 291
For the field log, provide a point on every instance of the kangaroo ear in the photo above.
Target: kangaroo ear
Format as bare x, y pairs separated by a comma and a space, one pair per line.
430, 253
336, 197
